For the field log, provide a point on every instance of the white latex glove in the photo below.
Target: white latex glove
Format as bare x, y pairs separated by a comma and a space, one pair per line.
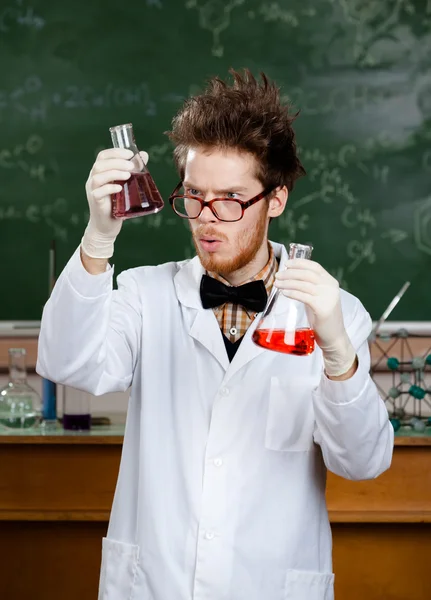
308, 282
111, 165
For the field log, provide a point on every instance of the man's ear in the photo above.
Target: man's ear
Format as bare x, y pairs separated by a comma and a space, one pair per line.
278, 201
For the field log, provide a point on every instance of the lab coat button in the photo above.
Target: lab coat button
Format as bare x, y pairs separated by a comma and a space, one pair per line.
218, 462
225, 391
209, 535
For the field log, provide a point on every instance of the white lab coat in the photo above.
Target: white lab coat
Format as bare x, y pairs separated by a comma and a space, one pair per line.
221, 490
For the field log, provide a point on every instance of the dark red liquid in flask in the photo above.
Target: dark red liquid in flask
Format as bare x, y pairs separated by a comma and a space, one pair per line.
274, 340
139, 194
138, 197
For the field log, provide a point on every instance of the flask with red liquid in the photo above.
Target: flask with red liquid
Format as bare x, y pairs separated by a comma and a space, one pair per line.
283, 326
139, 195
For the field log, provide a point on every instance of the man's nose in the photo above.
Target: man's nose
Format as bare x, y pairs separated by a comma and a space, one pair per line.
207, 216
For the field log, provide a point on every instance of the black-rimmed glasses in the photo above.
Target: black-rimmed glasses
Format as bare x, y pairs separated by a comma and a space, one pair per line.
224, 209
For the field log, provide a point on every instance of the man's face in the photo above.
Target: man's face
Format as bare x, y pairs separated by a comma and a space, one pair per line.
219, 173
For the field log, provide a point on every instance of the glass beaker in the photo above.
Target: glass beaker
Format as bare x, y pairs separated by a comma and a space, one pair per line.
76, 409
20, 404
139, 195
283, 326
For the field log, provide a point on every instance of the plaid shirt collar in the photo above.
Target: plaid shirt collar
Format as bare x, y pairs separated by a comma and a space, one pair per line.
234, 319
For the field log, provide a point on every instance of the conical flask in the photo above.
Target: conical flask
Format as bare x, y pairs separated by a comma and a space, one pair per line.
139, 195
20, 404
284, 326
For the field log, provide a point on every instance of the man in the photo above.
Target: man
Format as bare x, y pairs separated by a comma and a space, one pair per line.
221, 490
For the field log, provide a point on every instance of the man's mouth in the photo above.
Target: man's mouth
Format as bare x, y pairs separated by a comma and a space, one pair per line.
209, 243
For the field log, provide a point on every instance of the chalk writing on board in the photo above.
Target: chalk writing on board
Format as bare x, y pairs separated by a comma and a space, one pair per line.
349, 154
360, 31
31, 146
155, 3
22, 157
354, 216
214, 16
161, 153
330, 187
37, 214
26, 98
37, 112
20, 15
330, 179
359, 251
194, 89
154, 221
292, 224
13, 99
330, 173
372, 20
394, 235
357, 96
53, 213
75, 96
9, 213
422, 226
60, 217
273, 12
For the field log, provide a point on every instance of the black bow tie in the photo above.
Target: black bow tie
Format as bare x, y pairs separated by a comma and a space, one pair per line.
250, 295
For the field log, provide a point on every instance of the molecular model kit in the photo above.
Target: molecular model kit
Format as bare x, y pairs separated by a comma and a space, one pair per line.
408, 397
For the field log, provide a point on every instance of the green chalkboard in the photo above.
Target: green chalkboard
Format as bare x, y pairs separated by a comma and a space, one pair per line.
360, 72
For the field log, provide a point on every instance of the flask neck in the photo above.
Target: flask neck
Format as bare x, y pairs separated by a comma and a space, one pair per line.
17, 366
123, 137
300, 251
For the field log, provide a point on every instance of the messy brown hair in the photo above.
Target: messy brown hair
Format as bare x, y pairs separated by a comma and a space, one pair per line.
247, 115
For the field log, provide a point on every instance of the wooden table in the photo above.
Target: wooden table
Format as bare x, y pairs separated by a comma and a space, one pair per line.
56, 493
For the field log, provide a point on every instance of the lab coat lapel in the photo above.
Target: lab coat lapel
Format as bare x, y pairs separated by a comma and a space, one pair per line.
205, 329
203, 325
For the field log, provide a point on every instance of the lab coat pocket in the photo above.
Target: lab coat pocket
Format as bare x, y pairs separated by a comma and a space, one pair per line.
290, 418
118, 571
308, 585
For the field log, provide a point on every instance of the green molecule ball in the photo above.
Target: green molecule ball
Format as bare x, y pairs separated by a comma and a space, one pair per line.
417, 392
396, 424
393, 363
